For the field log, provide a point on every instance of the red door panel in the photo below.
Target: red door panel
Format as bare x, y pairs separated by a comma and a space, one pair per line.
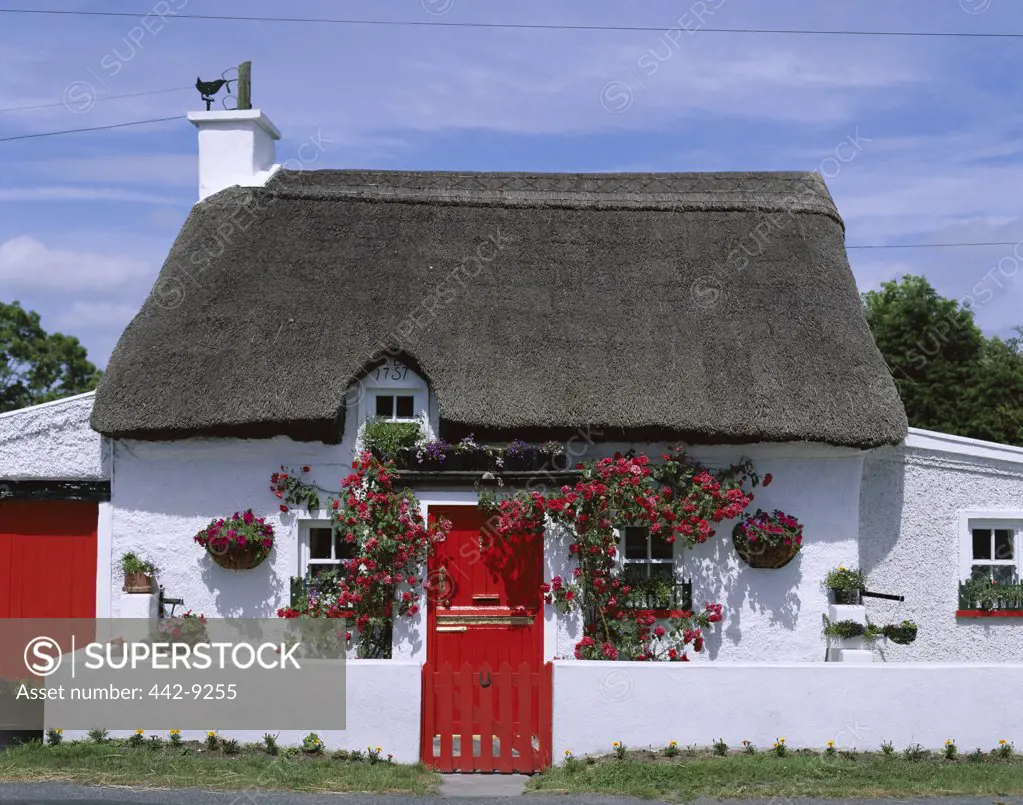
486, 690
48, 559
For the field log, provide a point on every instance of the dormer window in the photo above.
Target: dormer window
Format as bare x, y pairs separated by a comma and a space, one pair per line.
395, 407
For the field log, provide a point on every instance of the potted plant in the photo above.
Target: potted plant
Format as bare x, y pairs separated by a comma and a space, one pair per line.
138, 574
902, 633
434, 454
392, 440
465, 455
768, 540
553, 453
846, 585
239, 542
520, 456
189, 628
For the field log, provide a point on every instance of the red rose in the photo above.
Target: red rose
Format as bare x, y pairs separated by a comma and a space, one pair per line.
767, 479
305, 468
284, 508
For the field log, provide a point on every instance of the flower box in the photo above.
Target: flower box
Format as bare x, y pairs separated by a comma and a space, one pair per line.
138, 582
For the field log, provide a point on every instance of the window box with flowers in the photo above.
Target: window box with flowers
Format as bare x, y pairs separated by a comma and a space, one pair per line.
991, 562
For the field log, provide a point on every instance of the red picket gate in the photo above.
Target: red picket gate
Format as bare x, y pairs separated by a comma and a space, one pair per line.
478, 719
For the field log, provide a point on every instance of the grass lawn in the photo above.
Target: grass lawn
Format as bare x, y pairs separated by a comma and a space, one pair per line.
194, 766
702, 774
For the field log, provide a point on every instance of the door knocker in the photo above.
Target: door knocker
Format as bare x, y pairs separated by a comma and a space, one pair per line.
485, 683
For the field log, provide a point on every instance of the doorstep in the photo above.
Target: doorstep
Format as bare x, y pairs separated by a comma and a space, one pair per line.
478, 786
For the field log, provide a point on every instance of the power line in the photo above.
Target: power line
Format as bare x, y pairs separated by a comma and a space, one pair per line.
522, 26
937, 245
93, 128
97, 99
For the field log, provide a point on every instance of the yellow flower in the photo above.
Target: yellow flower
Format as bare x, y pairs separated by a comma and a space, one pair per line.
1002, 742
781, 740
831, 744
211, 734
841, 567
949, 742
568, 753
378, 748
175, 732
672, 743
139, 732
616, 744
59, 732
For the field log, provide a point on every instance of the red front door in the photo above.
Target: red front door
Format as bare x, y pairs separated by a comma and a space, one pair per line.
486, 689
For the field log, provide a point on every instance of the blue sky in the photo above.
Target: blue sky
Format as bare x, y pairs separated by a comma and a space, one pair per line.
86, 220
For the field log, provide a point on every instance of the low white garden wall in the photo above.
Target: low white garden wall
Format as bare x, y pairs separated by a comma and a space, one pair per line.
383, 709
650, 704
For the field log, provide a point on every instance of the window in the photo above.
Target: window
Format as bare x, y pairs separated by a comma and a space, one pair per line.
993, 552
395, 406
323, 551
646, 555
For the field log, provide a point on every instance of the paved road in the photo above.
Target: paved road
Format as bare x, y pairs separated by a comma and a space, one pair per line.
53, 794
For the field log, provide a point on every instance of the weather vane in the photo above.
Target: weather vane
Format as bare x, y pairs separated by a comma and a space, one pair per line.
209, 89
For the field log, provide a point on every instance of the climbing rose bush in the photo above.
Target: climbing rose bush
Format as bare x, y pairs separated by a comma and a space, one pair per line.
676, 500
389, 544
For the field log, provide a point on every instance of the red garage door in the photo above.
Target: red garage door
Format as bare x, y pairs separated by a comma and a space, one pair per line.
48, 559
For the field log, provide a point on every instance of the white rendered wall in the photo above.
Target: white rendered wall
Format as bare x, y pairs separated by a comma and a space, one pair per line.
650, 704
52, 441
911, 507
382, 709
769, 615
163, 493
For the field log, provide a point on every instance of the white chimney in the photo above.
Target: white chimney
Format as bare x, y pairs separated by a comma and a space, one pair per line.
236, 147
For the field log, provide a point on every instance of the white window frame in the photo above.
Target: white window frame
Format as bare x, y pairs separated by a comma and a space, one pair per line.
392, 378
305, 550
1011, 520
649, 561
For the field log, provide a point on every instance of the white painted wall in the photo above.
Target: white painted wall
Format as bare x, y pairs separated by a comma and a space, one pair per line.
770, 615
382, 709
163, 493
650, 704
911, 512
52, 441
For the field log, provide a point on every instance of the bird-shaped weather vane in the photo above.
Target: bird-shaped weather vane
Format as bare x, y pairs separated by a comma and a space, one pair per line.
209, 89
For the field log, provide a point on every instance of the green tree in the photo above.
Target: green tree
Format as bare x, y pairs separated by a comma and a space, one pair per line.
950, 376
36, 366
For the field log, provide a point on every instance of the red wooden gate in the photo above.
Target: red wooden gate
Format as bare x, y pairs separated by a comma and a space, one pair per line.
486, 691
478, 719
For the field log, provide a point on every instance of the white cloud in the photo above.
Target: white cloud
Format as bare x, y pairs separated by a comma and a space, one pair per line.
26, 263
113, 316
63, 193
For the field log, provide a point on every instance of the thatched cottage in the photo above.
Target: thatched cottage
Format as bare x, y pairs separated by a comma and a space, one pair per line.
605, 313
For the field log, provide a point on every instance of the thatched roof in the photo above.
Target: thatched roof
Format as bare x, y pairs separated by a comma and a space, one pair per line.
705, 307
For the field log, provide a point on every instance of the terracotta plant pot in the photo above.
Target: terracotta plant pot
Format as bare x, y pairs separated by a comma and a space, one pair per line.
138, 582
238, 558
763, 556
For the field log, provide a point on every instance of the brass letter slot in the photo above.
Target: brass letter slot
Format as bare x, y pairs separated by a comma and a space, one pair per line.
486, 597
484, 620
452, 628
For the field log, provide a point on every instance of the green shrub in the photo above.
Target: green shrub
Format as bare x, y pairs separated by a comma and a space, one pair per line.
389, 439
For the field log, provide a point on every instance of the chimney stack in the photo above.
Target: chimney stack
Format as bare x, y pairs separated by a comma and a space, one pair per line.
236, 147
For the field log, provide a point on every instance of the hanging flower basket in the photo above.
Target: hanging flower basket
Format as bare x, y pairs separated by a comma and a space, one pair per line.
768, 540
239, 542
